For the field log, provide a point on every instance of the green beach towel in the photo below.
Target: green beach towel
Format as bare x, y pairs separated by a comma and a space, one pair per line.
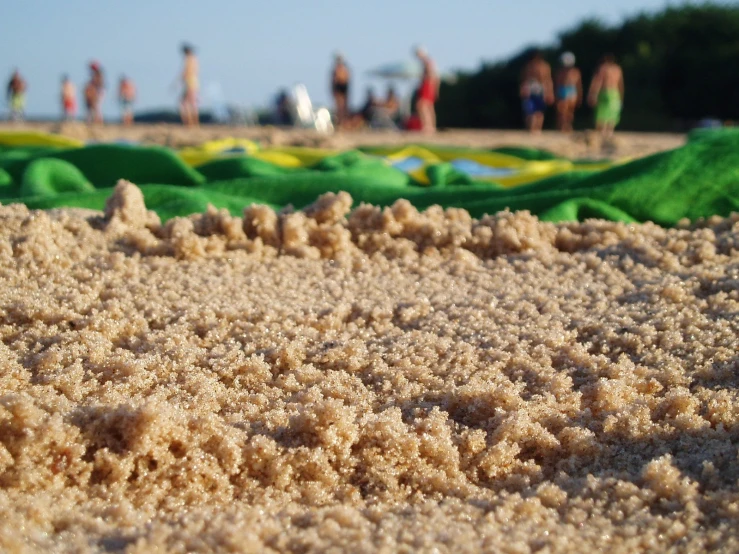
700, 179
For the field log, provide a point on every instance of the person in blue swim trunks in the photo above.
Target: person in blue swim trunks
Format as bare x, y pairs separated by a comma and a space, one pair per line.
537, 91
568, 81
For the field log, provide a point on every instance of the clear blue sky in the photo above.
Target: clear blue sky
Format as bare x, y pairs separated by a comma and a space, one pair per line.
249, 50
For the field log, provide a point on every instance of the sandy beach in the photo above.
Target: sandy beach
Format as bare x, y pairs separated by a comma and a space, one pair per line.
269, 339
583, 144
365, 381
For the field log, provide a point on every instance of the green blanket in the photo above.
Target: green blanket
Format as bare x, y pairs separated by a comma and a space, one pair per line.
697, 180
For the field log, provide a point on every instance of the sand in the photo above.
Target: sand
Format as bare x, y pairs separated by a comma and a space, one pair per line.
582, 144
365, 381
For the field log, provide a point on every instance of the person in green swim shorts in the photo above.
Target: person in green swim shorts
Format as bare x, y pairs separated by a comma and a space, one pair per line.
606, 95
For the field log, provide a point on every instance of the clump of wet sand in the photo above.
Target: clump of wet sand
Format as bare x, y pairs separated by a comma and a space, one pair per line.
366, 380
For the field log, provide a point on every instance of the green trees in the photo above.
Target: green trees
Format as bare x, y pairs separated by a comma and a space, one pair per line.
680, 65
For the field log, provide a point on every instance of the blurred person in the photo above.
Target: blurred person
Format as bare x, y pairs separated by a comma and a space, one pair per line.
368, 109
606, 95
16, 96
568, 81
69, 99
413, 123
190, 85
428, 91
340, 77
392, 104
386, 112
537, 91
364, 116
284, 108
94, 92
126, 98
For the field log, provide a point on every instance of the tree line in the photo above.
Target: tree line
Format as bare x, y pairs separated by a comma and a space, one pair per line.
681, 65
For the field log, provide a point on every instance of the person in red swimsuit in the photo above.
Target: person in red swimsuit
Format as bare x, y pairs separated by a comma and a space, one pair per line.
69, 99
428, 92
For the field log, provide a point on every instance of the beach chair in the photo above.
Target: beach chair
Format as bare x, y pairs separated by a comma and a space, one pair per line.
306, 116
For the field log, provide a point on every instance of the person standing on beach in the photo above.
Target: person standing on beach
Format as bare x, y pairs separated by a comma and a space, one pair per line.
16, 96
126, 97
606, 95
428, 91
69, 99
94, 92
569, 92
340, 88
190, 85
537, 91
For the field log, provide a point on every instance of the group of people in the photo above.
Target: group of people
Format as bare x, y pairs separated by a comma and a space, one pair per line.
539, 90
423, 113
94, 93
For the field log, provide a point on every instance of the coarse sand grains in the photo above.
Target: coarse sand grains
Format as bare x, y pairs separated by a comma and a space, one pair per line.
375, 380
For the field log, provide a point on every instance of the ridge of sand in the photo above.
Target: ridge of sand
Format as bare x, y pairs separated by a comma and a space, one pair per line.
367, 380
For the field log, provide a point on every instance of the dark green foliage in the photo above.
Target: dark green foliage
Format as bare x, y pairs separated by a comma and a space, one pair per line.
680, 65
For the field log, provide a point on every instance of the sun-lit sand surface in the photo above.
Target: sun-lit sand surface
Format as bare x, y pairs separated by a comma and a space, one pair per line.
578, 145
369, 381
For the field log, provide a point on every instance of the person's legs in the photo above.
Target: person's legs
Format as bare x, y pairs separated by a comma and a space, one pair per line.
93, 112
189, 110
538, 122
565, 115
337, 104
533, 107
604, 126
188, 120
68, 109
540, 106
191, 113
605, 129
341, 107
422, 109
571, 116
608, 128
195, 113
184, 115
527, 112
16, 108
561, 116
344, 106
427, 115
